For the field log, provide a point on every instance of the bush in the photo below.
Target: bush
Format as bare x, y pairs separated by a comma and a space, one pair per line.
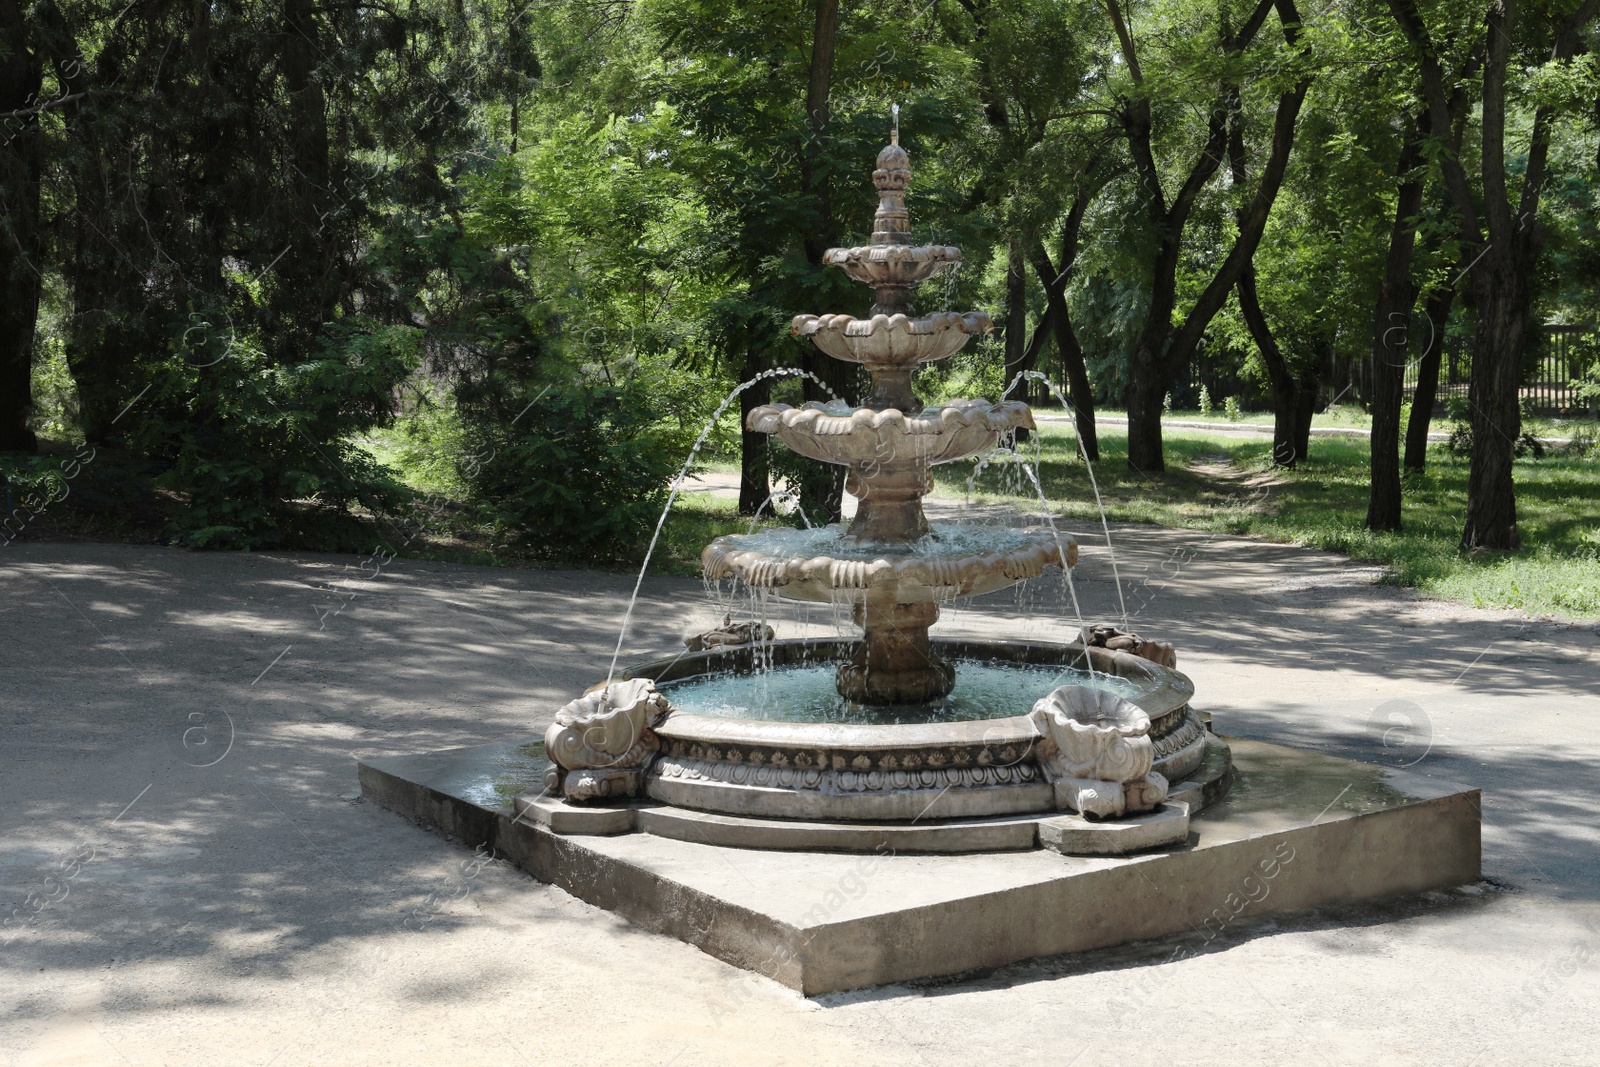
1230, 407
1205, 401
581, 475
259, 451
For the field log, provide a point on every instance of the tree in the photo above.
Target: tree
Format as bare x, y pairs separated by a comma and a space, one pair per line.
31, 42
1039, 160
1504, 238
1164, 349
1391, 328
784, 121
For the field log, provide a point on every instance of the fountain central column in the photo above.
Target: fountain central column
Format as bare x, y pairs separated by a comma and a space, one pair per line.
895, 662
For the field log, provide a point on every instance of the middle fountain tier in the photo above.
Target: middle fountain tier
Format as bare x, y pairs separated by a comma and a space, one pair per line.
891, 565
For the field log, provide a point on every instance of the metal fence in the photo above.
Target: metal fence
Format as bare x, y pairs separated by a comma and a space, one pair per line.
1562, 353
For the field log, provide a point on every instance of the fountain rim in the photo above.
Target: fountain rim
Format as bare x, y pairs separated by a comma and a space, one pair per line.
1166, 699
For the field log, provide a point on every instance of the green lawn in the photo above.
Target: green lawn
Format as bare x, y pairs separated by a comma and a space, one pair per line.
1350, 417
1214, 482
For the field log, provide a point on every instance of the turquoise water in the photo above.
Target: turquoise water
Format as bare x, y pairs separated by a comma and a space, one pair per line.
944, 540
806, 694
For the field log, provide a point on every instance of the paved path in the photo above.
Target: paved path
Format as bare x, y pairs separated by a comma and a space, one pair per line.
211, 896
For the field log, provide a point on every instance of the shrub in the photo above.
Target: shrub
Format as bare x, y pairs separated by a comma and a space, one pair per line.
1231, 408
581, 474
1205, 401
259, 450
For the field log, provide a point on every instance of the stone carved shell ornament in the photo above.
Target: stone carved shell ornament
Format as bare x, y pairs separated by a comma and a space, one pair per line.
852, 436
601, 744
896, 340
1095, 747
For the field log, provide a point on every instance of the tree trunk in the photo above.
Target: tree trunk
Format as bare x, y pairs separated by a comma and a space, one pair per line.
1145, 394
1163, 351
1391, 330
1078, 388
1054, 280
1288, 396
1427, 394
822, 487
1016, 340
20, 80
1501, 295
1020, 355
1305, 407
754, 479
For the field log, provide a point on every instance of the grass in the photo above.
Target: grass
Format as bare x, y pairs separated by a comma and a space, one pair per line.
1213, 482
1216, 482
1350, 417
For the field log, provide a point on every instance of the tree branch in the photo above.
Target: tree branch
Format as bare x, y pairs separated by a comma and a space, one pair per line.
1125, 40
1567, 42
1439, 115
1252, 223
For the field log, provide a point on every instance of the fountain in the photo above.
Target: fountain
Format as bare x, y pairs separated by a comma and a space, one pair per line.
858, 810
915, 728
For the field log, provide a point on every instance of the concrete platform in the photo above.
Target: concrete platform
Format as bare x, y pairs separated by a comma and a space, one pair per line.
1298, 830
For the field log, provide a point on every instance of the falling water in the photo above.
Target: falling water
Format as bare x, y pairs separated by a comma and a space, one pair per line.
1089, 466
677, 484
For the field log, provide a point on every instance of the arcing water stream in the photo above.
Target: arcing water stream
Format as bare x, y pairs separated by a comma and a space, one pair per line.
677, 484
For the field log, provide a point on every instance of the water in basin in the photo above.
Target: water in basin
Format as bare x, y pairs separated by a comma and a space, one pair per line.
807, 694
943, 539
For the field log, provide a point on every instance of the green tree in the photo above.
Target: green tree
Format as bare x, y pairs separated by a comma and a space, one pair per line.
1153, 110
1499, 223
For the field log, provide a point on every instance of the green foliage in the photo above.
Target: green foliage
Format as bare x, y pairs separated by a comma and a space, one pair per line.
583, 475
624, 205
1323, 504
261, 451
1205, 402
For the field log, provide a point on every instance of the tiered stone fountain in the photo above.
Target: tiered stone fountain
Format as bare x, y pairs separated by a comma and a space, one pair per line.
889, 444
731, 729
902, 742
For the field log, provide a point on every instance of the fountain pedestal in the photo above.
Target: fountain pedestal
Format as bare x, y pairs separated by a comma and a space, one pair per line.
895, 662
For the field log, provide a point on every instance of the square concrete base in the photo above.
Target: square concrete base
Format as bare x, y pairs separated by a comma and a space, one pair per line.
1298, 830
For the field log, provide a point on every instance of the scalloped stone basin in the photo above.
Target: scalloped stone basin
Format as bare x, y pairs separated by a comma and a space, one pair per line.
899, 265
891, 340
863, 771
823, 564
850, 436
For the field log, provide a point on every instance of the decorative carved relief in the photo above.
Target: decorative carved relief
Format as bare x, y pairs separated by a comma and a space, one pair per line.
729, 634
914, 577
1161, 652
1095, 748
601, 743
850, 781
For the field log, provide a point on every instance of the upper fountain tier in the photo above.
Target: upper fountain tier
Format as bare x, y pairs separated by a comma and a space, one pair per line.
892, 343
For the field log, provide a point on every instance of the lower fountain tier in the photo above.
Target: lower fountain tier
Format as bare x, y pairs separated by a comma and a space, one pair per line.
825, 565
854, 772
867, 440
